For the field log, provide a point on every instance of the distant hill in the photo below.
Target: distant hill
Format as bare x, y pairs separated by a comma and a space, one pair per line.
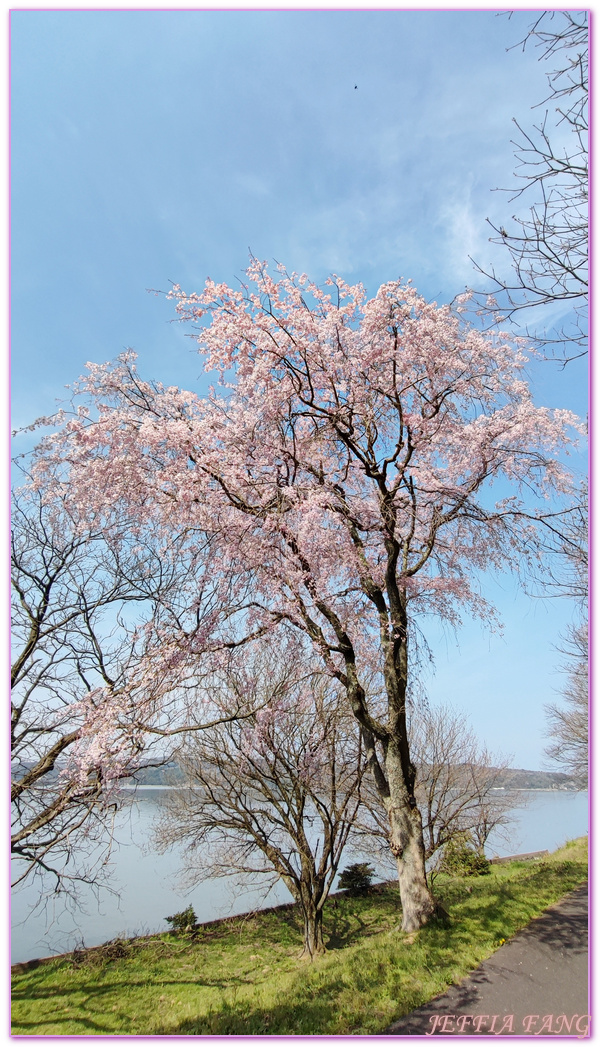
511, 778
517, 778
168, 774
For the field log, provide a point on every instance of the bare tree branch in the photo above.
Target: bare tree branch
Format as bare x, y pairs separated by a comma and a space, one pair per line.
548, 245
458, 784
275, 796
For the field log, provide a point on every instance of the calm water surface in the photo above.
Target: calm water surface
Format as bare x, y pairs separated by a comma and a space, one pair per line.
147, 887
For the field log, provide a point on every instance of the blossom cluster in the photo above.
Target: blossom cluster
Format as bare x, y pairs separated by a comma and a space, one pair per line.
344, 460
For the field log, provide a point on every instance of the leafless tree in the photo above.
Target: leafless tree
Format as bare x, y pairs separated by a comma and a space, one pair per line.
566, 553
78, 600
68, 591
568, 719
274, 796
459, 784
548, 243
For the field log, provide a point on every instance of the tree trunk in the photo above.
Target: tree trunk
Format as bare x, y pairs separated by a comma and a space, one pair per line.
406, 840
313, 931
406, 843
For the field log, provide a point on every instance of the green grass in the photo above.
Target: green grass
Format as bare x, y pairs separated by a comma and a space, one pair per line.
245, 976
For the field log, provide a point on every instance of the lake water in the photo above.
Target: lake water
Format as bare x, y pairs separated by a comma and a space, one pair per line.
146, 882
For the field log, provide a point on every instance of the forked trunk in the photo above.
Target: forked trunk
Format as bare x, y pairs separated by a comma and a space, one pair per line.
313, 932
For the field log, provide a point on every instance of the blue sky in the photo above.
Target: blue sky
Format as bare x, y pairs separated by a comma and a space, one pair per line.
158, 146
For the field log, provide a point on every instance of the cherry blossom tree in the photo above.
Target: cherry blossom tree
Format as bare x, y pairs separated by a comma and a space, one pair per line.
90, 701
69, 596
274, 795
344, 466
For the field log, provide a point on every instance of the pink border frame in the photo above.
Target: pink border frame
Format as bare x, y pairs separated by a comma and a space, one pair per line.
591, 460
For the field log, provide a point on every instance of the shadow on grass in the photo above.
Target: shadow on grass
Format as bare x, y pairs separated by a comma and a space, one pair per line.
345, 929
310, 1007
313, 1006
94, 994
343, 918
315, 998
565, 929
362, 994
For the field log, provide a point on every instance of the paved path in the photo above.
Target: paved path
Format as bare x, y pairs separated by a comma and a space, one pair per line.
535, 985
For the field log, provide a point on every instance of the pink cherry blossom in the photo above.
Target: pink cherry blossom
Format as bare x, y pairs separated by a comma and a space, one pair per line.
357, 463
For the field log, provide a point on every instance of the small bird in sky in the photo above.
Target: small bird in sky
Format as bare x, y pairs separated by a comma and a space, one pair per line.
356, 87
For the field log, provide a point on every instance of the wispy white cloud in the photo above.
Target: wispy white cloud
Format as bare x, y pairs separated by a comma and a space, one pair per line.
464, 234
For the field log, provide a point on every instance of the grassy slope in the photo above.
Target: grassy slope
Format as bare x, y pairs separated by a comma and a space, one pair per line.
245, 976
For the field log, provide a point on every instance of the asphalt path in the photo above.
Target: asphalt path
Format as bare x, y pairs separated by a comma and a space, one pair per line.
534, 985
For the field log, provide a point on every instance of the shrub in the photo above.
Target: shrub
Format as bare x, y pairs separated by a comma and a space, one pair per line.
183, 922
356, 879
461, 859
